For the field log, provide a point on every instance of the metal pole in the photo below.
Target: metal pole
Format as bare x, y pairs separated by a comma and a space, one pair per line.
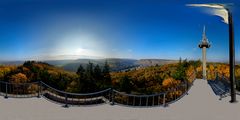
66, 104
164, 99
134, 101
39, 88
153, 101
232, 58
113, 96
147, 101
6, 96
140, 103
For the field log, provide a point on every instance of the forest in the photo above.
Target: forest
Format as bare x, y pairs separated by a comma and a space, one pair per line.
221, 70
92, 77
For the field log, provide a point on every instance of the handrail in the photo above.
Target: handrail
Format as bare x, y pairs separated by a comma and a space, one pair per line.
133, 95
18, 83
77, 94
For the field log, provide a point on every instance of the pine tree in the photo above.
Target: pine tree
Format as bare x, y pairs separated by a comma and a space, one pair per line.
98, 76
106, 75
89, 71
125, 84
81, 72
89, 82
180, 72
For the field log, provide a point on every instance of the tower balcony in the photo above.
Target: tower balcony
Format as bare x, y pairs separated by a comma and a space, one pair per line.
204, 44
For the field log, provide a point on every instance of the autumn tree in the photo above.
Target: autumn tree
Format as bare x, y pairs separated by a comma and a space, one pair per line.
190, 74
170, 83
18, 78
211, 72
73, 87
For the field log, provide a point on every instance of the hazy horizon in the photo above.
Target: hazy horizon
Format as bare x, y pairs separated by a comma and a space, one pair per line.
72, 59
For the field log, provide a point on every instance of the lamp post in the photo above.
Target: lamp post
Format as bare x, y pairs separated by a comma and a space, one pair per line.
225, 13
232, 58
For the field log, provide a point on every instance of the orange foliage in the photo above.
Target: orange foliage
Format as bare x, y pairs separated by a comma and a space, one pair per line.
189, 73
5, 70
19, 78
170, 82
32, 88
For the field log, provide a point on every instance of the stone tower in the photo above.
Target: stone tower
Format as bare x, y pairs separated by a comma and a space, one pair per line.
204, 44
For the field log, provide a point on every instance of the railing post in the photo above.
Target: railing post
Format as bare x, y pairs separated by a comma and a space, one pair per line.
187, 87
6, 95
153, 101
140, 103
164, 100
113, 97
147, 101
133, 100
175, 94
66, 103
109, 95
39, 89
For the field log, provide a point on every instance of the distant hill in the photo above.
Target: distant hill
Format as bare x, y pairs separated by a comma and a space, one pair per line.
153, 62
116, 64
11, 62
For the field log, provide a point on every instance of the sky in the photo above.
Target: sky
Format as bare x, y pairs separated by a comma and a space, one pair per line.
136, 29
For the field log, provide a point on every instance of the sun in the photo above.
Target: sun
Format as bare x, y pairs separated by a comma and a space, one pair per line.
84, 52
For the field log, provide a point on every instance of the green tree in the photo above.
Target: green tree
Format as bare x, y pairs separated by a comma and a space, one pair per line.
62, 82
125, 84
98, 76
195, 64
81, 71
88, 84
89, 71
106, 75
180, 73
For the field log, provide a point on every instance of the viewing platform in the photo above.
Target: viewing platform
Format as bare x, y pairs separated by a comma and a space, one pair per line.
200, 104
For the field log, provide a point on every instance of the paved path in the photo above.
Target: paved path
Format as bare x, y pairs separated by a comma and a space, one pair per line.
200, 104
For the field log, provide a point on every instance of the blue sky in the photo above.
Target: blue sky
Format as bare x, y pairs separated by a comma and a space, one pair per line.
71, 29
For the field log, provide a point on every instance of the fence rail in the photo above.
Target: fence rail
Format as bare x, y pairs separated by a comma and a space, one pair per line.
111, 96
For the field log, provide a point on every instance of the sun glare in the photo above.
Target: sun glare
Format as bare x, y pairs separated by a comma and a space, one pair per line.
84, 52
